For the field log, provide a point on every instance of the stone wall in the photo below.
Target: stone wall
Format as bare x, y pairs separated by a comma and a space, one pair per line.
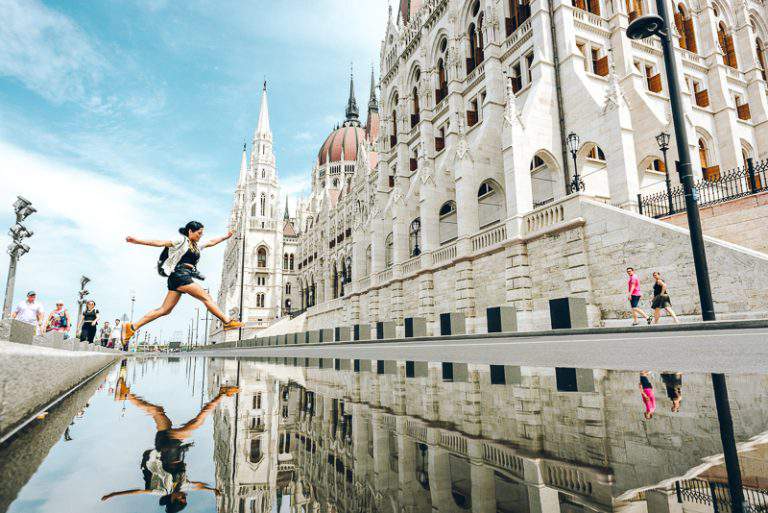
741, 221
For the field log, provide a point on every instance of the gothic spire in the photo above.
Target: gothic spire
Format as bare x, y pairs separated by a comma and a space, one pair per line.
352, 111
373, 104
286, 216
243, 166
262, 129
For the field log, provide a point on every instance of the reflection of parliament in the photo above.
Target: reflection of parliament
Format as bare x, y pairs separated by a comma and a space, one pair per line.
449, 191
325, 435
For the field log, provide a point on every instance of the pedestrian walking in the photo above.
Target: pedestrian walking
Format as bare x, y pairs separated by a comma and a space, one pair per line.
673, 382
30, 311
90, 320
115, 336
646, 392
104, 333
634, 294
661, 300
178, 262
58, 320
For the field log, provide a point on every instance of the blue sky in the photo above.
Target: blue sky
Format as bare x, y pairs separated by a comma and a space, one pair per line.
128, 117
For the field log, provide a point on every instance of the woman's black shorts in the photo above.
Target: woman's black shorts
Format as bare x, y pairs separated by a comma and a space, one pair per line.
180, 277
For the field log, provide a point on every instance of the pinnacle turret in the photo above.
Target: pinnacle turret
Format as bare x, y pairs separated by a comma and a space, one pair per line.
262, 128
352, 111
373, 104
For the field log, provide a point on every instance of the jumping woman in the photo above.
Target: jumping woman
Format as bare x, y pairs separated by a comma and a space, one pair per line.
181, 268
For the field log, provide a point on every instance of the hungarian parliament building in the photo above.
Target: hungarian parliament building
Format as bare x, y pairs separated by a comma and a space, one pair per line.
500, 161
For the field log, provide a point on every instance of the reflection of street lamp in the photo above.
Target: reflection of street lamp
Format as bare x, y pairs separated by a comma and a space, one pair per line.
573, 146
133, 302
663, 141
22, 208
82, 293
658, 25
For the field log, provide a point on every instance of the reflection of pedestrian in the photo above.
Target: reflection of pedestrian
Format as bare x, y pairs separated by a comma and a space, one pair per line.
673, 382
104, 333
164, 468
661, 299
634, 294
646, 391
90, 320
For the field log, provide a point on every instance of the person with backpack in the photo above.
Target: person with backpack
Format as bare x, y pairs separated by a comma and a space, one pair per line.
178, 261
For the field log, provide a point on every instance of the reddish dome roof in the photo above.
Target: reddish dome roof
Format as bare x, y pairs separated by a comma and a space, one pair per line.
342, 141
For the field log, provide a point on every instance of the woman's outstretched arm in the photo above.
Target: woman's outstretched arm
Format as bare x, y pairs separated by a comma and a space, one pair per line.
155, 243
217, 240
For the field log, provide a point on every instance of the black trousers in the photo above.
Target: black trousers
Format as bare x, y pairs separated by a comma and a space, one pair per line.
88, 332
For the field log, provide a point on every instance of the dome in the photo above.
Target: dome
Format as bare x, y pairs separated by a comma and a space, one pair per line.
342, 142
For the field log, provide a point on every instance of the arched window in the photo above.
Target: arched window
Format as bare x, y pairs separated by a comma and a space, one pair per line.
285, 261
255, 452
684, 25
253, 209
290, 262
491, 204
442, 77
261, 257
260, 300
475, 35
708, 170
414, 238
388, 251
519, 11
592, 6
725, 40
288, 288
263, 204
596, 153
448, 228
415, 115
542, 182
760, 51
634, 9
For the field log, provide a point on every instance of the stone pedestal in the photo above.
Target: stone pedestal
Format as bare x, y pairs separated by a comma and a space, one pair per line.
568, 312
502, 319
452, 323
415, 327
20, 332
662, 501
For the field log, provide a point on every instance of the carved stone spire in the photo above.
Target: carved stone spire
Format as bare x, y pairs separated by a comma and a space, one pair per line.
352, 112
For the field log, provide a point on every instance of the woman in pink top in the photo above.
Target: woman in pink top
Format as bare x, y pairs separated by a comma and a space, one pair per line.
634, 294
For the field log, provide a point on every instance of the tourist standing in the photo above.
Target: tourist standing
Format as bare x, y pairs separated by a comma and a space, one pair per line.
30, 311
58, 320
180, 265
104, 333
115, 336
634, 294
661, 299
646, 392
90, 320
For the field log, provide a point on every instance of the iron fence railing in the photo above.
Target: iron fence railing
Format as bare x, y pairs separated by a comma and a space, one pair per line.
718, 496
736, 183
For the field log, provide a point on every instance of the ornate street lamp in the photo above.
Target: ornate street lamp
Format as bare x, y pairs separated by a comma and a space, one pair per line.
22, 208
663, 141
574, 143
82, 293
658, 25
416, 231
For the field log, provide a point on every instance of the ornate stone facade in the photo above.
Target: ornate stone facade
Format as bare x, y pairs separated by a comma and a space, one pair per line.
469, 176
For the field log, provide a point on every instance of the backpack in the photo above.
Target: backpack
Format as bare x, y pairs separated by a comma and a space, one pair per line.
161, 261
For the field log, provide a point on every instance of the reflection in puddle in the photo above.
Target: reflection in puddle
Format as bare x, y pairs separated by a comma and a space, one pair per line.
308, 434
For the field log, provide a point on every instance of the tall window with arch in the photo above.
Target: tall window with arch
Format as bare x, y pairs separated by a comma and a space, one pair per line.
519, 12
290, 262
263, 204
684, 25
442, 77
592, 6
448, 227
475, 36
415, 114
760, 53
725, 40
634, 9
285, 261
542, 182
491, 205
414, 238
261, 257
709, 171
389, 250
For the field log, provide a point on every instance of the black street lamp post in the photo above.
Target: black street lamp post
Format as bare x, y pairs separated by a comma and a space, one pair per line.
22, 208
573, 146
658, 25
663, 141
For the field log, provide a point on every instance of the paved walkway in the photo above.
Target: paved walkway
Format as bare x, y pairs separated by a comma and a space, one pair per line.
706, 350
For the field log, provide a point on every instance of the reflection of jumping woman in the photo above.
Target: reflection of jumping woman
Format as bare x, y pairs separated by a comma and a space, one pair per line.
180, 267
163, 468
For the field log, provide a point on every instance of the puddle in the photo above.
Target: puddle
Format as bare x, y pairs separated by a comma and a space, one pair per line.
309, 434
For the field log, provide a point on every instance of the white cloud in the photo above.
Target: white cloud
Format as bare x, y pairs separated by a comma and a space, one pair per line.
304, 136
80, 228
48, 53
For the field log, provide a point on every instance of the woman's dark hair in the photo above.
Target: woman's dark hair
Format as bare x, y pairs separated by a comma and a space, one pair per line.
191, 226
172, 504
